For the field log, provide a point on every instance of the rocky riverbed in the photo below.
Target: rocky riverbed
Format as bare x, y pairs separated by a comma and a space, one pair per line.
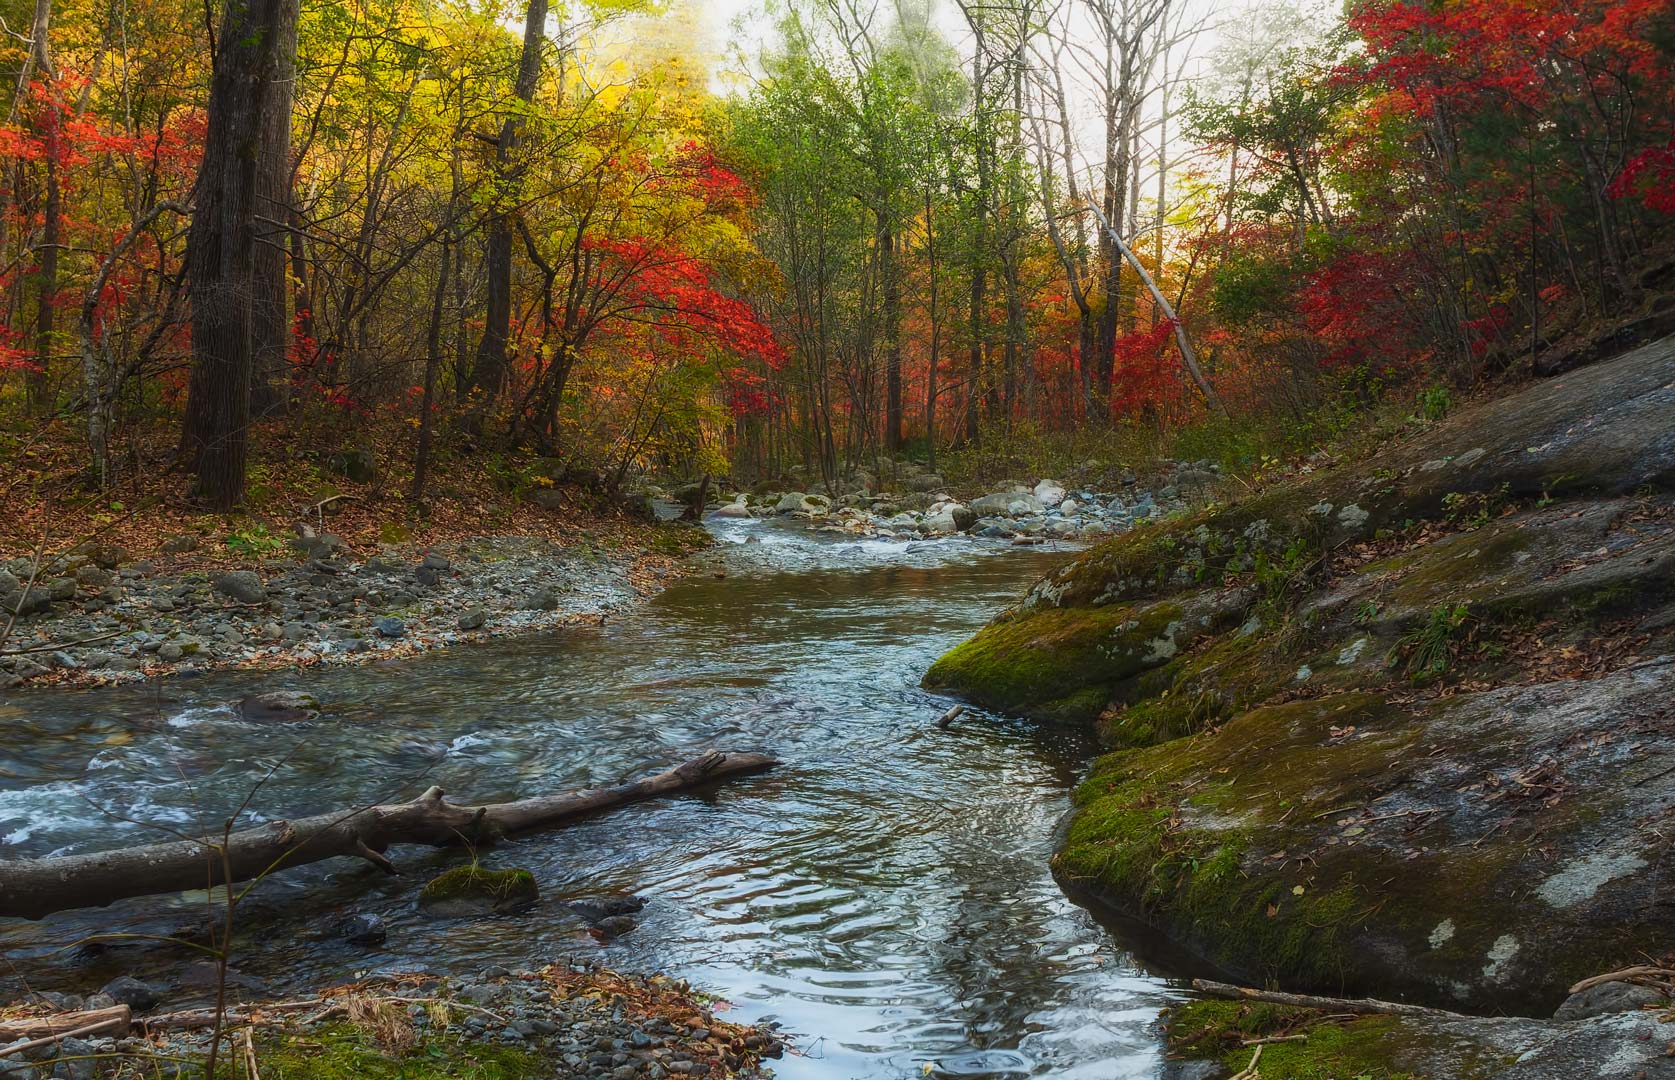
102, 613
585, 1022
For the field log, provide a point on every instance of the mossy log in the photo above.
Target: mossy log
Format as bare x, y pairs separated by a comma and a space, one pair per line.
34, 888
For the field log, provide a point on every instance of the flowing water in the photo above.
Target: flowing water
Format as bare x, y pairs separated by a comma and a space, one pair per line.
884, 894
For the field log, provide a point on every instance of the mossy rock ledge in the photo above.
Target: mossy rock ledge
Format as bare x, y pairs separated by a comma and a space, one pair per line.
1287, 805
1206, 1039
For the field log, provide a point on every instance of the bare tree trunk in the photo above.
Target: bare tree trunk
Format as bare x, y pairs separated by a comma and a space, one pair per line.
892, 337
1188, 357
34, 888
433, 361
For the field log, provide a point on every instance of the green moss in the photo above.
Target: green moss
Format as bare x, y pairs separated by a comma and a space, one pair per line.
1057, 663
679, 539
343, 1052
1164, 834
1366, 1048
504, 890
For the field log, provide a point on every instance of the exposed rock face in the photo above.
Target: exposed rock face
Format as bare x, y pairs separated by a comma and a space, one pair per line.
1298, 803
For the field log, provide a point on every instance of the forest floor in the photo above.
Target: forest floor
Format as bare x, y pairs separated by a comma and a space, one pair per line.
583, 1022
328, 562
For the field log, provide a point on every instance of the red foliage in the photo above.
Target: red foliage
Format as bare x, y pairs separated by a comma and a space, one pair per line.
1650, 177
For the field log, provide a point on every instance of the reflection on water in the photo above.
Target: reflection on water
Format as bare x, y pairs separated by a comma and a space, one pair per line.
885, 894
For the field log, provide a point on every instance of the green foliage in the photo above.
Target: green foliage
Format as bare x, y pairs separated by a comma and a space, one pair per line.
254, 540
1428, 651
1434, 402
344, 1052
1475, 509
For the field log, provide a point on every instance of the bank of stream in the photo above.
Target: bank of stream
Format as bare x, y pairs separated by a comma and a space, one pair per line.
885, 895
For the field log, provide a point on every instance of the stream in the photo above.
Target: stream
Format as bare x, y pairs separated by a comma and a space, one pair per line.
884, 895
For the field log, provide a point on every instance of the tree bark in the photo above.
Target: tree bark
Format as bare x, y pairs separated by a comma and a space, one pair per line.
220, 249
488, 370
270, 324
34, 888
48, 125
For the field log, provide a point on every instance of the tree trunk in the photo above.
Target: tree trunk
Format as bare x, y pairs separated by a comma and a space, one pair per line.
892, 337
270, 326
1188, 357
433, 361
33, 888
220, 248
48, 125
488, 371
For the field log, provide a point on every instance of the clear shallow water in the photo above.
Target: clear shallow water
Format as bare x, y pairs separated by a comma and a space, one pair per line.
884, 894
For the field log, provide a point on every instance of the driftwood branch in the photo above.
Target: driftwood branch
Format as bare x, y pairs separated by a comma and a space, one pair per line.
33, 888
1359, 1006
47, 1030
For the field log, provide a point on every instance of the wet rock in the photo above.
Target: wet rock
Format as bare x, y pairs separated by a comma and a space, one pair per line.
468, 891
363, 929
245, 586
735, 509
1611, 997
131, 992
1007, 504
615, 925
389, 626
279, 707
594, 908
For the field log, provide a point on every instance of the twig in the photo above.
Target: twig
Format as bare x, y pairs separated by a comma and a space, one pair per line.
1628, 974
1311, 1001
1249, 1071
251, 1072
950, 716
51, 645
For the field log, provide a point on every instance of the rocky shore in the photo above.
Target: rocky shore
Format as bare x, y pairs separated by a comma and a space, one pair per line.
584, 1022
917, 504
1398, 729
102, 613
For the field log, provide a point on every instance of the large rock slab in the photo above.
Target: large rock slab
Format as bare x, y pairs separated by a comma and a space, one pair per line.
1480, 851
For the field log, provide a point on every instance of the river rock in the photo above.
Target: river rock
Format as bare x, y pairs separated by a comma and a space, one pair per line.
472, 890
278, 707
1049, 493
1611, 997
1007, 504
363, 929
609, 905
389, 626
245, 586
735, 509
473, 619
131, 992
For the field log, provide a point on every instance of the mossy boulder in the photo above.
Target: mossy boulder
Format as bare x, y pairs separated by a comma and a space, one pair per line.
1482, 851
1065, 663
472, 890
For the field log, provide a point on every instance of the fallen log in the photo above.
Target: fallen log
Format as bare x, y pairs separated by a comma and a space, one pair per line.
1371, 1006
34, 888
111, 1021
